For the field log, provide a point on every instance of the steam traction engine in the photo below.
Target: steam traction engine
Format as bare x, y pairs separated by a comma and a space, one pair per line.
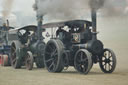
4, 44
29, 47
78, 47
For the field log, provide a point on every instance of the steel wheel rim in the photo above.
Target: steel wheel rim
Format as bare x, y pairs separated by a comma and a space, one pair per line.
81, 62
108, 61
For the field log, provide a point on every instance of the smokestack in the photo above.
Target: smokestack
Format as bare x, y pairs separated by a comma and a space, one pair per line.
39, 28
94, 20
39, 21
95, 5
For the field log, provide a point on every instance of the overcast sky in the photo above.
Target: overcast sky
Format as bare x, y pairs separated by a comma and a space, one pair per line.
24, 6
22, 9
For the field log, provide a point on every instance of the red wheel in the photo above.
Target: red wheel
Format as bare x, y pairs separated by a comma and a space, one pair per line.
4, 60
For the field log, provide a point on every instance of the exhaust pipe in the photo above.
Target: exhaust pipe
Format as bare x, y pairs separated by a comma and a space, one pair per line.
94, 24
39, 27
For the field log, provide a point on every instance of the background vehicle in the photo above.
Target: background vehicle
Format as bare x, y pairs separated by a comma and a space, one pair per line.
28, 47
5, 39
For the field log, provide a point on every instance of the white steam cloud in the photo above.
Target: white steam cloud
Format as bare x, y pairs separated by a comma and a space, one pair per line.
7, 7
60, 9
73, 9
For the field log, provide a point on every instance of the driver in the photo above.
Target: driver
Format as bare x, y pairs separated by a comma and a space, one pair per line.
64, 35
60, 30
24, 38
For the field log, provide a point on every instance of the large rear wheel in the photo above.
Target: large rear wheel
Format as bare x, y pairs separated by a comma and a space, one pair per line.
14, 57
53, 56
108, 61
83, 61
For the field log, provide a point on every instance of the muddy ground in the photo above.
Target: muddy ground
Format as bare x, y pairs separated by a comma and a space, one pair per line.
114, 34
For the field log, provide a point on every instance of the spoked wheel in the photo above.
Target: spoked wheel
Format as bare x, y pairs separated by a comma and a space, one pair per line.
108, 61
15, 62
29, 61
53, 56
83, 61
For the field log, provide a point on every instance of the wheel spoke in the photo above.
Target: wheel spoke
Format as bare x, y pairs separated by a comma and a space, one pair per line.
109, 68
110, 65
111, 60
13, 48
54, 65
50, 48
85, 68
49, 60
110, 55
13, 54
84, 60
51, 65
105, 57
79, 66
47, 53
14, 60
103, 60
81, 56
105, 66
54, 53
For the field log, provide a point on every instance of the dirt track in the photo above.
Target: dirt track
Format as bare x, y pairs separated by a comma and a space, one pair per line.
10, 76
